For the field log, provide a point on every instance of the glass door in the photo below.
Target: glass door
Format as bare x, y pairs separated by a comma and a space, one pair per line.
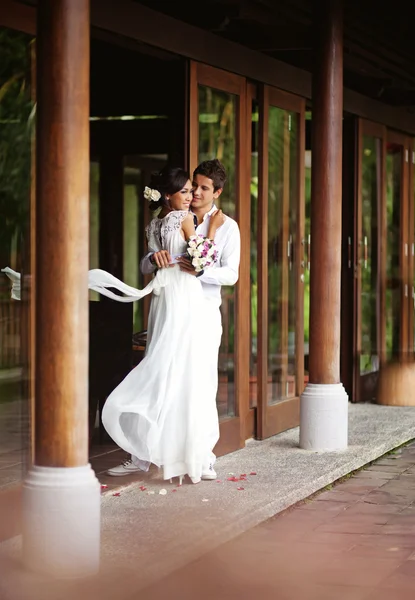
218, 129
281, 261
369, 261
397, 247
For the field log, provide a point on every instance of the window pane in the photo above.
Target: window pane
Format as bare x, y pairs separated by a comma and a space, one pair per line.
253, 389
16, 186
393, 223
217, 139
282, 214
371, 197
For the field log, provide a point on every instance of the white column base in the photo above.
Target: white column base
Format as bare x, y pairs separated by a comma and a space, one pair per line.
61, 521
324, 417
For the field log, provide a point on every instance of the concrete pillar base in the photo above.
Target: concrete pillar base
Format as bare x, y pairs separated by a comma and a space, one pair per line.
61, 521
324, 417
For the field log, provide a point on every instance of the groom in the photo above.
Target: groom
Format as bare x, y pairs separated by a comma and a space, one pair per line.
209, 179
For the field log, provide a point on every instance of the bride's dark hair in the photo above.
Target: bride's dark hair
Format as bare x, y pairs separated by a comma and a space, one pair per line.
168, 181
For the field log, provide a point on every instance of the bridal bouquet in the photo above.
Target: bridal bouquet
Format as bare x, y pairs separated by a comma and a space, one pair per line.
202, 252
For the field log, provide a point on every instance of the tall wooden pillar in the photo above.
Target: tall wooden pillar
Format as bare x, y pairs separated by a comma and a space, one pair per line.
61, 493
324, 402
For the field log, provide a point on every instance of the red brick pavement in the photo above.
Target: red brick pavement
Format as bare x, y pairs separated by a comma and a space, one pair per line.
353, 542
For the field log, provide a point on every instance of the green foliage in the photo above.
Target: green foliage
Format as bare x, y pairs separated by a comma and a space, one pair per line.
16, 110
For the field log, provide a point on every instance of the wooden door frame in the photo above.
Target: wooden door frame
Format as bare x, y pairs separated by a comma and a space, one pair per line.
232, 429
272, 419
411, 242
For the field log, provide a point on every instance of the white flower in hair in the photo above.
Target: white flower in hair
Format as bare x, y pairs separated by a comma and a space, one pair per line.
151, 195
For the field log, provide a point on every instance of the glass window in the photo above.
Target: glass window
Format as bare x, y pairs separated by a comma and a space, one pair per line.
217, 139
282, 215
16, 189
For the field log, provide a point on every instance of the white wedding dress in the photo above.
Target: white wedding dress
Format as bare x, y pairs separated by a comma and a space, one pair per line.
164, 411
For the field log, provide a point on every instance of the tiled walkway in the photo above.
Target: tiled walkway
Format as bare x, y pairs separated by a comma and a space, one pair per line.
355, 541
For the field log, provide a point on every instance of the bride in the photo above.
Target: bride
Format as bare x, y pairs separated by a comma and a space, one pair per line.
164, 412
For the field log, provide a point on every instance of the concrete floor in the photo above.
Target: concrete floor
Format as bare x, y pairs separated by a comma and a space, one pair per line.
147, 535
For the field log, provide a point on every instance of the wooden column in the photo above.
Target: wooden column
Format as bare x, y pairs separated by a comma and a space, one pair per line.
62, 232
326, 193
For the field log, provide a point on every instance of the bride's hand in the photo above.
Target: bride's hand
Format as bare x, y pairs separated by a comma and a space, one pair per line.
161, 259
216, 220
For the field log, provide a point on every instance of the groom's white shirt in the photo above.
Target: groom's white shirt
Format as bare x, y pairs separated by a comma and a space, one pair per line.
226, 270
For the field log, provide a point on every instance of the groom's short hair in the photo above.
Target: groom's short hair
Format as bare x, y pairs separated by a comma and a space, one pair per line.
214, 170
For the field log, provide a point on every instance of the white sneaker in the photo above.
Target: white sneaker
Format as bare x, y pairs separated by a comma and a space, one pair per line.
127, 468
210, 474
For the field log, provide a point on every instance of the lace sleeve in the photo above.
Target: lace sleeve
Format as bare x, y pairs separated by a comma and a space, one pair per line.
171, 223
153, 235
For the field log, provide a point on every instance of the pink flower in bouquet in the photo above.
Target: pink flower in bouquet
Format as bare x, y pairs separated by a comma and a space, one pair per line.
202, 252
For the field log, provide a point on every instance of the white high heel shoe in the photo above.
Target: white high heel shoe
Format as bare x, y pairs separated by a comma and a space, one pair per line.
180, 479
192, 479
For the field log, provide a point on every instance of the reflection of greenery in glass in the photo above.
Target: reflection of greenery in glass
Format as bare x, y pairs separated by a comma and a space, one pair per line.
15, 144
393, 223
16, 110
217, 139
369, 255
282, 214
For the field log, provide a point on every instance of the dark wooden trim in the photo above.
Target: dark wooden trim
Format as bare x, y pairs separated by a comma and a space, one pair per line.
362, 106
299, 250
411, 241
383, 253
250, 424
286, 101
135, 21
193, 118
18, 16
262, 251
230, 436
282, 416
371, 128
357, 313
243, 288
